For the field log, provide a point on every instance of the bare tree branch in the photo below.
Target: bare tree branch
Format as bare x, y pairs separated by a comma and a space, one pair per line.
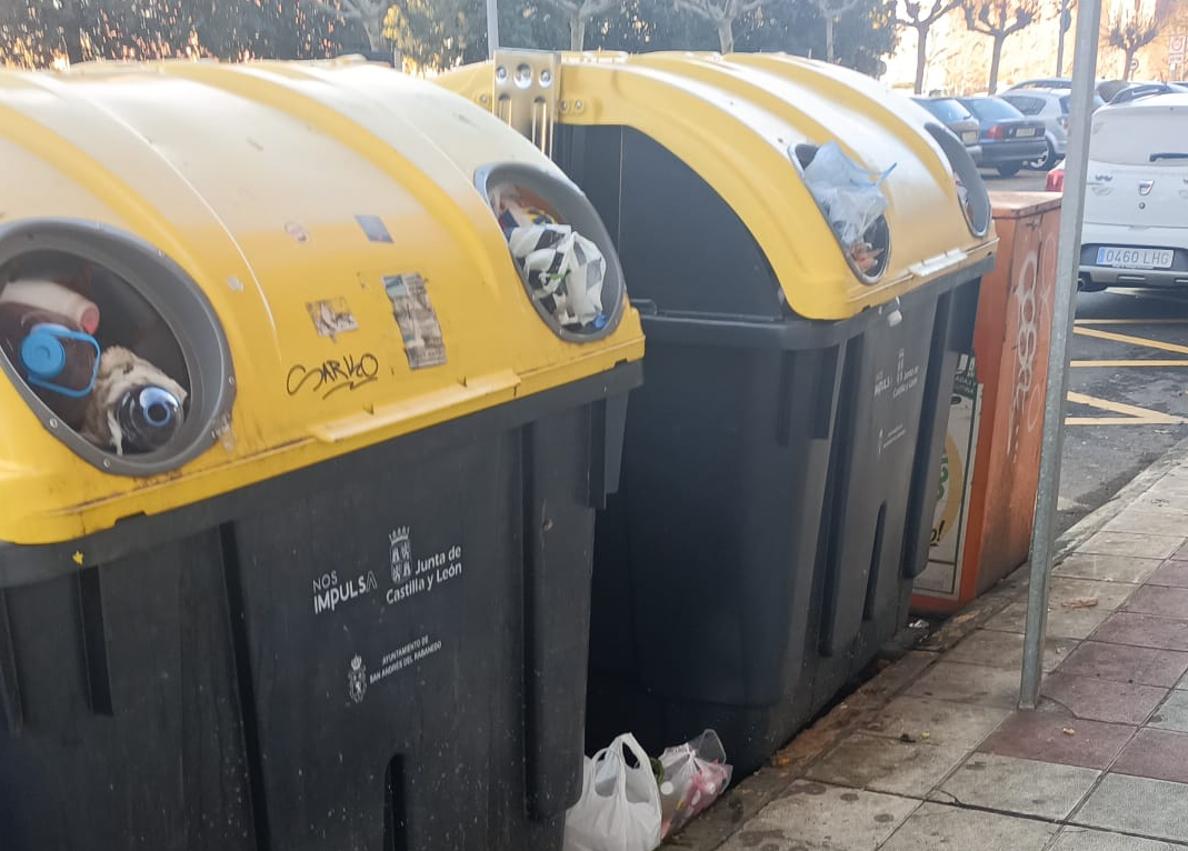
593, 9
999, 19
1132, 29
348, 14
940, 8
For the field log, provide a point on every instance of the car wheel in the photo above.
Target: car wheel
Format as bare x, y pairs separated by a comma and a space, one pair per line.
1009, 169
1045, 162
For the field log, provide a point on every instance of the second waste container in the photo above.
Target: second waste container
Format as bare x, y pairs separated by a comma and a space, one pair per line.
780, 461
309, 567
982, 526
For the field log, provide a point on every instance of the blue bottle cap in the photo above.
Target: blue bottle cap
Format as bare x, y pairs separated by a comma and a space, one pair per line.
43, 354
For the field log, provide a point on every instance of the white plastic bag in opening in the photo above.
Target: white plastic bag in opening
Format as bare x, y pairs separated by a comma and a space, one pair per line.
850, 195
620, 805
695, 775
565, 270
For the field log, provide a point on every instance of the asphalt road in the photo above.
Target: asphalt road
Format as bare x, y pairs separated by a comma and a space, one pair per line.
1127, 385
1127, 404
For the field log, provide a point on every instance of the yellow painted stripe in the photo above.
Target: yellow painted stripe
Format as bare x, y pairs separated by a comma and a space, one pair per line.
1113, 421
1161, 321
1123, 363
1132, 414
1134, 341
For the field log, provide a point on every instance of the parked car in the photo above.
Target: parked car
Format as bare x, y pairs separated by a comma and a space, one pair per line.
1106, 90
1044, 83
1007, 137
1103, 90
1135, 231
1143, 90
1051, 107
958, 119
1054, 182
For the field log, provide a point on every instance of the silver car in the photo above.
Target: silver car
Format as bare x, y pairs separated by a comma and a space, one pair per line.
1051, 107
958, 119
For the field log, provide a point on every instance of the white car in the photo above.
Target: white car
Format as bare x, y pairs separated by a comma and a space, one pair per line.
1136, 201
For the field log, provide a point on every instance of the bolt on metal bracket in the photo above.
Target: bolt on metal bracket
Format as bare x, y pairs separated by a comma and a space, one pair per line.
526, 85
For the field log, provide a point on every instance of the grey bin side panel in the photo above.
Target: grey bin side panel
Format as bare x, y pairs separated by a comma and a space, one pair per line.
199, 692
778, 472
670, 227
131, 736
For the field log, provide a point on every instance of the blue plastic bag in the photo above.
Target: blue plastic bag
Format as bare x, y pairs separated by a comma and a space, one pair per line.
850, 195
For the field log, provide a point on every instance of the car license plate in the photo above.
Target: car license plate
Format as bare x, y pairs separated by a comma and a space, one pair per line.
1024, 132
1135, 258
969, 137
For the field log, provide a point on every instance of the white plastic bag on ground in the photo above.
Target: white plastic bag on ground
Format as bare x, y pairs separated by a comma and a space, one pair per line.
850, 195
695, 775
620, 805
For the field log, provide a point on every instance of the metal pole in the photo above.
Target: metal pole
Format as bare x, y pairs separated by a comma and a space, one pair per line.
492, 28
1068, 258
1060, 44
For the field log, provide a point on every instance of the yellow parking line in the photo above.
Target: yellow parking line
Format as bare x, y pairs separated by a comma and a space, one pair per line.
1134, 341
1131, 321
1126, 421
1120, 363
1150, 295
1133, 415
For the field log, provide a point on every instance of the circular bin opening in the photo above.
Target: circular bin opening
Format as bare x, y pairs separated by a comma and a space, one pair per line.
868, 258
112, 344
562, 250
971, 189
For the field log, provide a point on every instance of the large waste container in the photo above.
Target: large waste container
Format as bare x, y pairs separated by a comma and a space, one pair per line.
310, 569
982, 526
780, 461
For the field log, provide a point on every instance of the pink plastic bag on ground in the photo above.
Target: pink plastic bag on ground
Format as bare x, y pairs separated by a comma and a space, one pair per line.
695, 774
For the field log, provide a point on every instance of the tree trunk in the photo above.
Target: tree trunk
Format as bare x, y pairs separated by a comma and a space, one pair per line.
995, 60
726, 35
1126, 72
72, 31
921, 57
577, 31
373, 27
828, 37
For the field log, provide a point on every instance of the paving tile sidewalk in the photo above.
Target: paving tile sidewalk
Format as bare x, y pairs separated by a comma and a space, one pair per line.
933, 754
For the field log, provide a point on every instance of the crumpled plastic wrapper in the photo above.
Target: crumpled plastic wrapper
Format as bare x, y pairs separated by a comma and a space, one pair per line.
851, 197
564, 269
695, 775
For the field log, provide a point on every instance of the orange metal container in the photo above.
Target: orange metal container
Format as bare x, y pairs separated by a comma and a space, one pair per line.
982, 527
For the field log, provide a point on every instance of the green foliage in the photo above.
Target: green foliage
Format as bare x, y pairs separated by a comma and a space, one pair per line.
433, 33
36, 32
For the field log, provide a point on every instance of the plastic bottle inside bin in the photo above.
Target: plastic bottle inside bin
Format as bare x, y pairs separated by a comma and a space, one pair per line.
60, 364
26, 303
148, 416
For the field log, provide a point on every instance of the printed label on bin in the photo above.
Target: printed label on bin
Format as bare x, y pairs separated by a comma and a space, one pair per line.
360, 677
420, 331
331, 590
422, 575
892, 390
416, 576
942, 576
374, 228
331, 317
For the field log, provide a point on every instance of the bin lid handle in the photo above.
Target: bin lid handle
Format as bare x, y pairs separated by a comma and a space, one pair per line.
483, 387
932, 265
